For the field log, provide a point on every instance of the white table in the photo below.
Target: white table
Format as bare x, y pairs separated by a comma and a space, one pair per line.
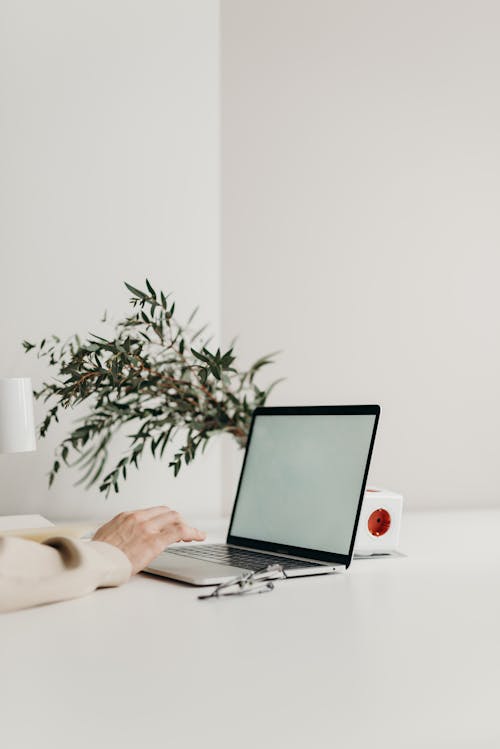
401, 653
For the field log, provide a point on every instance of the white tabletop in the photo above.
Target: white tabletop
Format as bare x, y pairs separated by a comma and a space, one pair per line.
401, 653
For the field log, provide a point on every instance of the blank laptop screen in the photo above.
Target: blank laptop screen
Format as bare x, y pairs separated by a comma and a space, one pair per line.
302, 480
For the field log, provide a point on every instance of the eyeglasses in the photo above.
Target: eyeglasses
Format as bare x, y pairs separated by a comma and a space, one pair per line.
260, 581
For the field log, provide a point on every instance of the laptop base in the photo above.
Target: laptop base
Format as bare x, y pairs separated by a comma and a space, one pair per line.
197, 564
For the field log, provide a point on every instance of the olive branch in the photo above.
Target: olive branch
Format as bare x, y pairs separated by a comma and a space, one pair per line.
155, 376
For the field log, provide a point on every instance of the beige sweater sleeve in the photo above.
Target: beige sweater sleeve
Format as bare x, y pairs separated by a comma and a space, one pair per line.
60, 568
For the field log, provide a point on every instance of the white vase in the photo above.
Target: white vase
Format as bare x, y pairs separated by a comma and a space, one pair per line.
17, 427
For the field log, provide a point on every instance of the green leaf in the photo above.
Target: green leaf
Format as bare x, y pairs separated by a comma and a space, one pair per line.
215, 370
98, 337
200, 356
136, 292
165, 440
272, 386
199, 332
192, 315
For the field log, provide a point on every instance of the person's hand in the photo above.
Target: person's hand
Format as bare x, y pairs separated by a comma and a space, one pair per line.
144, 534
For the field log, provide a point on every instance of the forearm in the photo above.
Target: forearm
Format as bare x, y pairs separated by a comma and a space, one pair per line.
60, 568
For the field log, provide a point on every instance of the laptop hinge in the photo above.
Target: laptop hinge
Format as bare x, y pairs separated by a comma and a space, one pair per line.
320, 562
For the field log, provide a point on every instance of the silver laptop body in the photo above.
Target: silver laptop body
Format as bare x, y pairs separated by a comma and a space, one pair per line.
298, 499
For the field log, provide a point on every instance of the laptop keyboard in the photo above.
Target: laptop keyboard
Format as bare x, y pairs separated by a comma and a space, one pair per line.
250, 560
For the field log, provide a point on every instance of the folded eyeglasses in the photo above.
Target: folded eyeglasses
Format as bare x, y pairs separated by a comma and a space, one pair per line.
259, 581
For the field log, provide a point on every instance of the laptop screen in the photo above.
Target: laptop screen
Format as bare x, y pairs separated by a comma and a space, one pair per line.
302, 479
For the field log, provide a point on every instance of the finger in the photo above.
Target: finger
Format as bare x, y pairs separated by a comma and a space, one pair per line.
177, 530
168, 520
193, 534
171, 523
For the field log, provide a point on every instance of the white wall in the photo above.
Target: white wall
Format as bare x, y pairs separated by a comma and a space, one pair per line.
108, 172
361, 224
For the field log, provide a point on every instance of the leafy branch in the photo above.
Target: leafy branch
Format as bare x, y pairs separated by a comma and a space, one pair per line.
155, 377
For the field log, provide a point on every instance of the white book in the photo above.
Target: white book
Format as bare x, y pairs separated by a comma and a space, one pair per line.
38, 528
16, 522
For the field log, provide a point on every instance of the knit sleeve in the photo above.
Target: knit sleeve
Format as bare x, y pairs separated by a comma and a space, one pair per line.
60, 568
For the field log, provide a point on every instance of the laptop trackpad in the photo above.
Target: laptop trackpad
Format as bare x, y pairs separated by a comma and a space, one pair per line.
190, 570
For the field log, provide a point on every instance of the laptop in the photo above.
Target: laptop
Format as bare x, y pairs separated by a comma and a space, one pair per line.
298, 499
